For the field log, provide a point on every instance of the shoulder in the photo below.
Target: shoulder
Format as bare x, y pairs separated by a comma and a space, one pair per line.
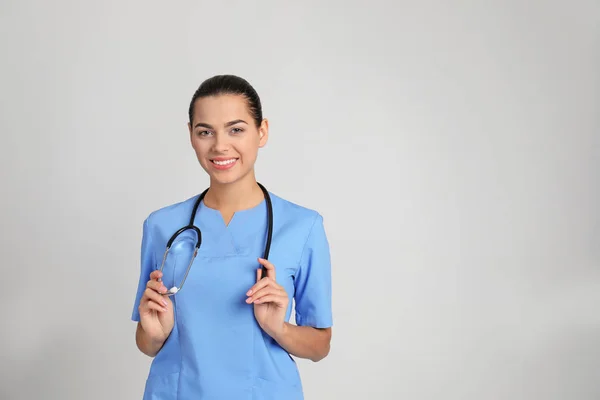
177, 213
289, 214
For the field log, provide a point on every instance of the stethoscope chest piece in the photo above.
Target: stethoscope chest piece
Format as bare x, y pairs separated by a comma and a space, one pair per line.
176, 289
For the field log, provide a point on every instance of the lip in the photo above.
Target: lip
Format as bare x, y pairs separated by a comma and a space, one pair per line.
226, 166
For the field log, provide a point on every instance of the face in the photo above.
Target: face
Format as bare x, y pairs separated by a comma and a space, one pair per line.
225, 137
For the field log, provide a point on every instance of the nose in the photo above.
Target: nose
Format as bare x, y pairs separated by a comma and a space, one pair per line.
221, 143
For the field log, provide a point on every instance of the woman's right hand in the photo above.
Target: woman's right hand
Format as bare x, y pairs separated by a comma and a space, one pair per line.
156, 310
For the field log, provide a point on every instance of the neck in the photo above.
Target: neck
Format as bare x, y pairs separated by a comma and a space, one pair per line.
239, 195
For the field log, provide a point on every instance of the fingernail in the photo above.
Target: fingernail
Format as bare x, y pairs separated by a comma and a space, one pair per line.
249, 292
165, 302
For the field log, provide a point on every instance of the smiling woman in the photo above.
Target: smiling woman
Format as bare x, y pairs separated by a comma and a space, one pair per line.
227, 334
226, 131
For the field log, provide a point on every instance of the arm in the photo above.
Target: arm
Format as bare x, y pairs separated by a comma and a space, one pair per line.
152, 312
305, 341
311, 336
270, 304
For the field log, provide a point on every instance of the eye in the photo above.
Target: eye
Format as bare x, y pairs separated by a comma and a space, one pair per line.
203, 133
237, 130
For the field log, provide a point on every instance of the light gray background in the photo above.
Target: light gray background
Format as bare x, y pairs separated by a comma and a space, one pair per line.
452, 148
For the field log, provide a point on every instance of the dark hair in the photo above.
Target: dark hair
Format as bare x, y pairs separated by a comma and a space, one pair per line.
229, 84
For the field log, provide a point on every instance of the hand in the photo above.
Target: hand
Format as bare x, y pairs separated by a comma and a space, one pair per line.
156, 310
270, 301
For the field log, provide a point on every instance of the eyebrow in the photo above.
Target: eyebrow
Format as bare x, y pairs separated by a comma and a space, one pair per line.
230, 123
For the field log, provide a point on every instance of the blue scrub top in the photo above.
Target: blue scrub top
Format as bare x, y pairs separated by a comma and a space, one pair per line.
216, 349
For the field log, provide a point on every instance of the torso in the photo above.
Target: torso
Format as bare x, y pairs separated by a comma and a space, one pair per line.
216, 349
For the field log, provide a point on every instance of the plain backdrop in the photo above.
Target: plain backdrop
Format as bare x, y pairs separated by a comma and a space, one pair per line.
451, 146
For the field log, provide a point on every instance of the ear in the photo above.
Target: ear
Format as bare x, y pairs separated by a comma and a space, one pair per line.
263, 132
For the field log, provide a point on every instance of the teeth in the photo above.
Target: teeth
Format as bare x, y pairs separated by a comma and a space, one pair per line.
224, 162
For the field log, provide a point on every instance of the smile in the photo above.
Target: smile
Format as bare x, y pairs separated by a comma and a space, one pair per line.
224, 162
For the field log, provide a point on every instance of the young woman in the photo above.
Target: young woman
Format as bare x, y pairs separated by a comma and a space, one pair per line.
224, 333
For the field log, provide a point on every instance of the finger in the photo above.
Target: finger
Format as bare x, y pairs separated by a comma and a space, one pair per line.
263, 292
156, 275
150, 294
269, 267
272, 298
261, 284
157, 286
152, 305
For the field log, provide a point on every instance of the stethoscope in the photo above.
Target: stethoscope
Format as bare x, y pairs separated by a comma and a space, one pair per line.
193, 227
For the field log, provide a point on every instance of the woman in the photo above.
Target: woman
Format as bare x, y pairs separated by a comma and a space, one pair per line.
225, 334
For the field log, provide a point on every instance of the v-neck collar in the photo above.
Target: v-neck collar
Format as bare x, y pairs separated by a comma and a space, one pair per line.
246, 230
241, 215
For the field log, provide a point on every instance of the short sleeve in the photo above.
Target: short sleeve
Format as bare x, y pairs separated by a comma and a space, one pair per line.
313, 280
146, 267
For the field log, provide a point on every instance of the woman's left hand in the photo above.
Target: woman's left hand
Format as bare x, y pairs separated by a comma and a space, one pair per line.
270, 301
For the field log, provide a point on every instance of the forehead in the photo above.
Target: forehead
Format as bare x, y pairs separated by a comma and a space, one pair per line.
221, 109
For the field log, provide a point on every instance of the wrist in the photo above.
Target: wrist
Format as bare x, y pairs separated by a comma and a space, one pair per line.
155, 338
282, 333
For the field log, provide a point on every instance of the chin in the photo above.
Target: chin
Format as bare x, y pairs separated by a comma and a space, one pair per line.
221, 181
225, 179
